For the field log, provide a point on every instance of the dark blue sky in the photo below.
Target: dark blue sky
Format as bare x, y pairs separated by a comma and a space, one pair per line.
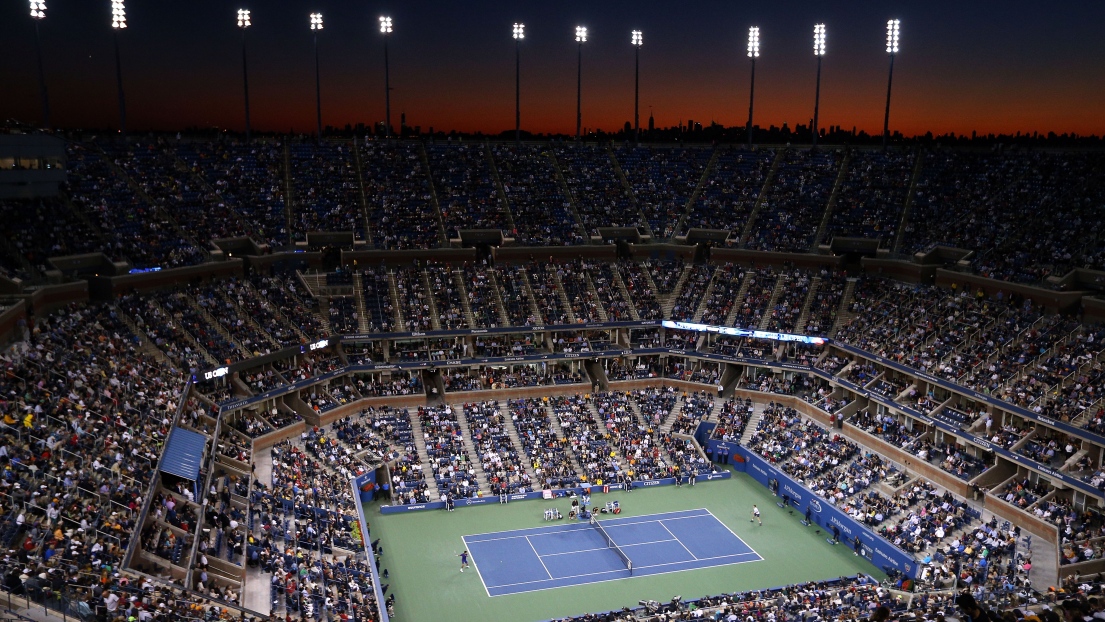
986, 66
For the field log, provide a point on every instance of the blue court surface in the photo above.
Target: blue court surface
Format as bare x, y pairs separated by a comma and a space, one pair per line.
576, 553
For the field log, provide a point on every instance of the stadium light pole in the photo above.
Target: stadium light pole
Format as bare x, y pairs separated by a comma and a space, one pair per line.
385, 29
119, 22
819, 52
637, 39
892, 27
519, 34
753, 54
581, 38
243, 24
316, 25
38, 13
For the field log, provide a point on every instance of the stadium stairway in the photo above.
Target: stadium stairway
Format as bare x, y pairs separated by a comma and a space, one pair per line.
562, 294
359, 168
624, 291
289, 196
843, 315
424, 457
215, 324
613, 440
691, 200
393, 291
442, 235
435, 317
596, 374
567, 192
918, 166
188, 336
147, 346
804, 315
500, 191
780, 285
358, 298
534, 309
247, 316
830, 205
599, 307
483, 483
504, 320
554, 423
753, 423
276, 310
669, 303
739, 298
673, 416
629, 191
646, 271
516, 442
462, 292
704, 302
758, 205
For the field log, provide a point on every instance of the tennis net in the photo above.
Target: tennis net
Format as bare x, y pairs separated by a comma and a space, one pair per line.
610, 543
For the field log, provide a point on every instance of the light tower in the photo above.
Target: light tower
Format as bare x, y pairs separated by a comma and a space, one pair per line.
316, 25
243, 24
519, 34
819, 52
753, 54
385, 29
581, 38
38, 13
636, 39
119, 22
892, 27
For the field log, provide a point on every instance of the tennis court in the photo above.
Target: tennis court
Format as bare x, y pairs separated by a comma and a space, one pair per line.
576, 553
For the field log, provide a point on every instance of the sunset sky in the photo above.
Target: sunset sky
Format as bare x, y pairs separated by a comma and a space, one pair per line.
986, 66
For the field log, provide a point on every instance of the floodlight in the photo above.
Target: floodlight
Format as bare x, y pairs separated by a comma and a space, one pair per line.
892, 27
243, 18
637, 38
519, 31
38, 9
385, 25
754, 42
118, 14
316, 21
819, 40
581, 34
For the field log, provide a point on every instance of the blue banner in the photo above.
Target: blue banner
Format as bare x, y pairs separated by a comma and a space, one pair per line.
880, 552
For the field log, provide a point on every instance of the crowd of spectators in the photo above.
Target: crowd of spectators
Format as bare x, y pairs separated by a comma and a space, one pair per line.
662, 181
795, 202
600, 197
547, 451
465, 189
326, 192
501, 463
730, 191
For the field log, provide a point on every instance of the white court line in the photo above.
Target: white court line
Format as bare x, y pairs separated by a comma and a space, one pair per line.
539, 557
605, 548
693, 556
574, 552
636, 570
575, 527
478, 573
622, 546
734, 534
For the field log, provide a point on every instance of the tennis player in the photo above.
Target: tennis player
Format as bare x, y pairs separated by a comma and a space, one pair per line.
463, 560
756, 515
